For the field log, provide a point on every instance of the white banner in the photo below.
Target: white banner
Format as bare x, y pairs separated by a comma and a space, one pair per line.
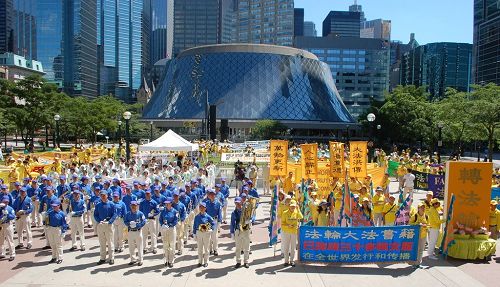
245, 157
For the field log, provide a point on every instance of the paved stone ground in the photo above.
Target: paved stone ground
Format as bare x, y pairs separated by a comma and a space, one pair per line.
79, 268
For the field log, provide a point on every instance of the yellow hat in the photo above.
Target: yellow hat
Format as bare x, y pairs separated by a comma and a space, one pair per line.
365, 199
293, 203
421, 204
435, 200
493, 202
430, 193
314, 193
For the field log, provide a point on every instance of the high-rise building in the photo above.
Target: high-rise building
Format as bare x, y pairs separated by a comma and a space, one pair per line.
310, 29
376, 29
486, 41
359, 66
342, 24
438, 66
196, 23
18, 28
398, 49
298, 22
358, 8
162, 29
6, 27
122, 55
265, 22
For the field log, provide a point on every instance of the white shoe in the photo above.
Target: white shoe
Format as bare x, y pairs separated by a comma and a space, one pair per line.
432, 257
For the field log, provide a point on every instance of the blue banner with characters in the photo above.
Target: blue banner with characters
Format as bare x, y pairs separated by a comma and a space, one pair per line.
495, 195
436, 185
358, 244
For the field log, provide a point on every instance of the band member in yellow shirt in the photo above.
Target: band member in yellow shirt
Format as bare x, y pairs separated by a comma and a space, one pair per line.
420, 218
288, 184
389, 211
435, 222
378, 206
290, 221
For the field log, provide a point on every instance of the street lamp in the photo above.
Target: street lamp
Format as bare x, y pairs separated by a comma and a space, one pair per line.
151, 131
57, 118
379, 127
120, 134
127, 116
370, 118
440, 126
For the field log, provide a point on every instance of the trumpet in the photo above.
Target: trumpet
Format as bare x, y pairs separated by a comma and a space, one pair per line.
205, 227
247, 212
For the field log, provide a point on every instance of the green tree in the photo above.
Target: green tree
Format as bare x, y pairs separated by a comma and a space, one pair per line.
268, 129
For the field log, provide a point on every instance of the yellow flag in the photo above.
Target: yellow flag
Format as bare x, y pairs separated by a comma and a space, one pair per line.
279, 158
337, 166
309, 160
358, 159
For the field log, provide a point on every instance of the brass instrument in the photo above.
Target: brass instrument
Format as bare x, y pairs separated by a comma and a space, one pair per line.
247, 211
205, 227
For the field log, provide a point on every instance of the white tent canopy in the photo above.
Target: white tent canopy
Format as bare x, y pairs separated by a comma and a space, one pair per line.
170, 141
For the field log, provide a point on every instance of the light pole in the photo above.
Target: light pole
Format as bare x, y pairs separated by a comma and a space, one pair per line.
57, 118
151, 131
120, 135
440, 126
379, 128
370, 118
127, 116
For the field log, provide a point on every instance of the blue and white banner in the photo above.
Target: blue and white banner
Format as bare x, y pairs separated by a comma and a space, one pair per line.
358, 244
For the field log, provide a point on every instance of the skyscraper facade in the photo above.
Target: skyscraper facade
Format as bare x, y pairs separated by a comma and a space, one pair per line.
342, 24
265, 22
120, 47
376, 29
486, 41
298, 22
358, 8
162, 29
310, 29
438, 66
18, 28
6, 28
360, 67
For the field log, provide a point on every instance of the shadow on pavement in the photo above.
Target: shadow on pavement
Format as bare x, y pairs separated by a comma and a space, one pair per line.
136, 270
215, 272
26, 264
78, 267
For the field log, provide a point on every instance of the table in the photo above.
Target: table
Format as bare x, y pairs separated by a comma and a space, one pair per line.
472, 248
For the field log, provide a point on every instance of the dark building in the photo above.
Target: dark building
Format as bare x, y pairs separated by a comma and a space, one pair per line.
298, 22
342, 24
248, 83
358, 8
486, 41
398, 49
310, 29
6, 26
18, 28
360, 67
438, 66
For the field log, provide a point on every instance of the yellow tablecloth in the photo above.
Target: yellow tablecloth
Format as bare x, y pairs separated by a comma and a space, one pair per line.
472, 248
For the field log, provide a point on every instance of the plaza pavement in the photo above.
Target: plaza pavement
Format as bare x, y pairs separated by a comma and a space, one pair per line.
79, 268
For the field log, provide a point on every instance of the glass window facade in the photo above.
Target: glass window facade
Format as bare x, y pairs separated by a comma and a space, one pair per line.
486, 41
286, 87
342, 24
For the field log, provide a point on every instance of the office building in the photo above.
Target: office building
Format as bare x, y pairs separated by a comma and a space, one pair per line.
358, 8
6, 27
16, 67
275, 82
162, 29
376, 29
486, 42
359, 66
122, 53
18, 28
342, 24
438, 66
310, 29
265, 22
398, 49
298, 22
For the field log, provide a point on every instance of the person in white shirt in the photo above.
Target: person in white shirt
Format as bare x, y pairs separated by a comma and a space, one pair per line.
408, 183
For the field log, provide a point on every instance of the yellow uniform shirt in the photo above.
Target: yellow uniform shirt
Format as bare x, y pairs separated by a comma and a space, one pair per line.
290, 220
338, 200
434, 218
282, 207
378, 203
288, 185
322, 219
495, 219
417, 220
401, 170
389, 212
313, 206
354, 186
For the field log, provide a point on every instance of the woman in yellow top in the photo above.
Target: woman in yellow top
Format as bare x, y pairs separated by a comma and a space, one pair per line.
435, 222
420, 218
313, 205
322, 214
290, 220
363, 192
494, 220
338, 197
378, 206
389, 211
386, 181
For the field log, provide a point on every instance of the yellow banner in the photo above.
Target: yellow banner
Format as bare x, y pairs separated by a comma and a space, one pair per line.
279, 158
323, 180
337, 166
358, 159
309, 160
470, 182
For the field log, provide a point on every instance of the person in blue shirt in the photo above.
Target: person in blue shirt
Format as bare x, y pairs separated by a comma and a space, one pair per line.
171, 186
4, 192
181, 208
16, 191
76, 209
159, 198
202, 229
7, 216
138, 192
105, 215
240, 235
222, 199
164, 191
214, 209
91, 203
224, 189
119, 225
186, 200
150, 209
56, 230
45, 207
33, 193
63, 192
23, 208
74, 180
107, 188
254, 194
97, 182
115, 187
85, 186
168, 221
193, 209
26, 183
135, 221
128, 197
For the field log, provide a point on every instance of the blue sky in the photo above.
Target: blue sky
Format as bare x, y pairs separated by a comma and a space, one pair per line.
430, 20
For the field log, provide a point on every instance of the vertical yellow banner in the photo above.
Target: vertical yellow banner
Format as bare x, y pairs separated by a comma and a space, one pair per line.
337, 159
309, 160
323, 180
470, 182
279, 158
358, 159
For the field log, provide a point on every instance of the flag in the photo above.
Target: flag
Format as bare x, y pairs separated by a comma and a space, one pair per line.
273, 222
448, 229
306, 211
347, 203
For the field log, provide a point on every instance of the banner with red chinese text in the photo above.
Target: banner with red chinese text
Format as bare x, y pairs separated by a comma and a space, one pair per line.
358, 159
358, 244
309, 160
337, 167
279, 158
